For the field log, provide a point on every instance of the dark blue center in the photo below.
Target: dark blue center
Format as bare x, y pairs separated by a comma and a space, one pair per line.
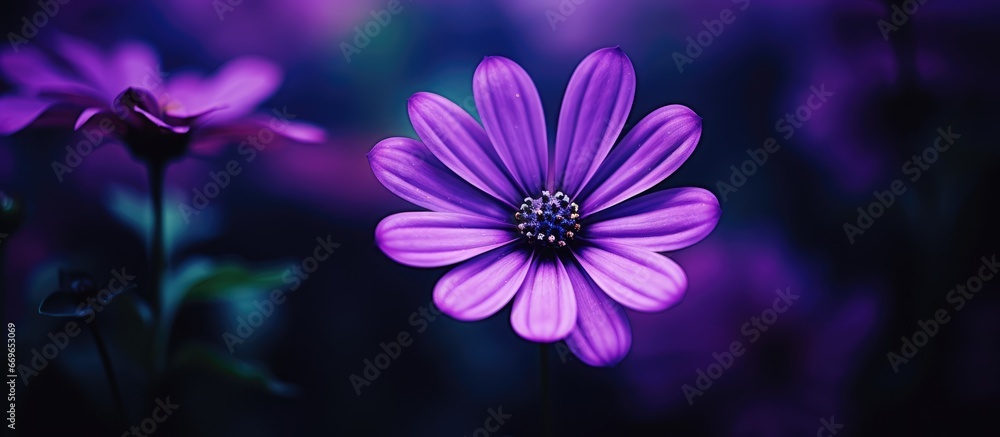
549, 220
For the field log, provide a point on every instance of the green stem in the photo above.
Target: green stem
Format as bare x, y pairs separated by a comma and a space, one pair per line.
157, 255
109, 371
157, 258
546, 399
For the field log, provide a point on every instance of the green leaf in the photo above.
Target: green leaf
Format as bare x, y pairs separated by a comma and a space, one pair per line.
229, 278
133, 209
200, 356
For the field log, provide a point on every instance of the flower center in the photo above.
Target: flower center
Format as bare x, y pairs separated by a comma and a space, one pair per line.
548, 220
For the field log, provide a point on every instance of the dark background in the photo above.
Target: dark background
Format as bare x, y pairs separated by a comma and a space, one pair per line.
783, 228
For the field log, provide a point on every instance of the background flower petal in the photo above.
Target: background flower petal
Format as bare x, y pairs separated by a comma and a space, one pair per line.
545, 306
594, 110
481, 286
238, 87
666, 220
602, 335
461, 144
408, 168
435, 239
511, 111
33, 70
637, 278
17, 112
654, 149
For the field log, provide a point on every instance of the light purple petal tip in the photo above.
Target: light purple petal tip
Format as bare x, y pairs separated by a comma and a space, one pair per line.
594, 110
302, 132
666, 220
653, 150
637, 278
17, 112
481, 286
602, 335
409, 169
511, 111
461, 144
545, 307
435, 239
85, 116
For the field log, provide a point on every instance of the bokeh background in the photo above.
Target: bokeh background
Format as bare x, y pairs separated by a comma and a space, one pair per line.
783, 229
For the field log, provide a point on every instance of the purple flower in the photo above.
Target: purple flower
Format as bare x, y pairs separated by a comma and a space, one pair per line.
125, 95
551, 228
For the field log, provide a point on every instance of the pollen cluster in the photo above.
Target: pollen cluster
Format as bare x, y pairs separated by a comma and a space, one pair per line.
548, 220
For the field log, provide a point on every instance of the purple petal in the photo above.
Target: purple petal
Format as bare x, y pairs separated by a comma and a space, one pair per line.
131, 64
637, 278
545, 306
656, 147
407, 168
85, 116
211, 137
238, 87
136, 65
435, 239
480, 287
160, 123
34, 71
667, 220
602, 335
91, 64
461, 144
594, 110
303, 132
512, 115
17, 112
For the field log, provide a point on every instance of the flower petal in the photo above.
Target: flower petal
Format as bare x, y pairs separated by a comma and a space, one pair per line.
639, 279
211, 137
666, 220
656, 147
512, 115
239, 86
545, 306
85, 116
461, 144
409, 169
136, 65
602, 335
17, 112
481, 286
594, 109
34, 71
435, 239
87, 61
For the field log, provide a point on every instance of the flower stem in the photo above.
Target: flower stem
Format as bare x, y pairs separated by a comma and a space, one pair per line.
109, 371
157, 255
546, 400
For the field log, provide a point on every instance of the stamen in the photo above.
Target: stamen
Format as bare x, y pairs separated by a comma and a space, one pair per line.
550, 220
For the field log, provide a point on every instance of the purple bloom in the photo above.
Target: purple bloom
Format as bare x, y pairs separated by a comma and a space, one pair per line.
551, 228
125, 94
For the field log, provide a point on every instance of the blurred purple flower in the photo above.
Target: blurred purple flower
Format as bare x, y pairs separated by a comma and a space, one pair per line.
569, 260
125, 95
